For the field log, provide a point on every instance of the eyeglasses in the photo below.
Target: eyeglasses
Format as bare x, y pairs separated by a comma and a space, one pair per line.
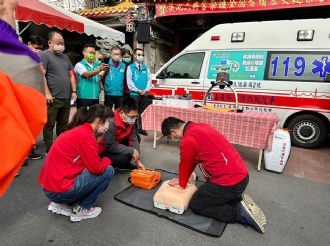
133, 117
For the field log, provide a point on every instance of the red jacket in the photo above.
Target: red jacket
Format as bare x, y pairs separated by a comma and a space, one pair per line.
123, 131
218, 160
71, 153
120, 138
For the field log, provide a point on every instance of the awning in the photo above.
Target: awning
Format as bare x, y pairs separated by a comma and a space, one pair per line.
40, 12
182, 7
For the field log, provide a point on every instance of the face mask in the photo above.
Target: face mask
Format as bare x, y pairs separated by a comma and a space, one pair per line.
130, 121
59, 48
37, 51
102, 129
127, 59
177, 140
139, 58
91, 58
116, 57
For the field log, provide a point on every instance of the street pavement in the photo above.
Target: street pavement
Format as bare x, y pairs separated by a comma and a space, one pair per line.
297, 211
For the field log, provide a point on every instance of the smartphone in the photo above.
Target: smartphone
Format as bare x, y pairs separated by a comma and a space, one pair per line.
106, 60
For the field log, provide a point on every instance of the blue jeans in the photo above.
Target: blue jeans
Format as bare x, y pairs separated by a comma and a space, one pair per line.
85, 190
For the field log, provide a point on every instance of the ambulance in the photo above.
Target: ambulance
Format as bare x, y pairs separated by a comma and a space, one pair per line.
276, 66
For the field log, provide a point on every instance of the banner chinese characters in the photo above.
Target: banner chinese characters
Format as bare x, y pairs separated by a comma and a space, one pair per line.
223, 6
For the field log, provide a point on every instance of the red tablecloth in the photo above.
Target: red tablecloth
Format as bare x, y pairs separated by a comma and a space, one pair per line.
250, 128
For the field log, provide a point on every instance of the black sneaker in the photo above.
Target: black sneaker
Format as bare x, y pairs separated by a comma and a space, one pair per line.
251, 218
143, 132
34, 156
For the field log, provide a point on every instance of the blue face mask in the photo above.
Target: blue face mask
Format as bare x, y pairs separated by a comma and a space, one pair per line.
130, 121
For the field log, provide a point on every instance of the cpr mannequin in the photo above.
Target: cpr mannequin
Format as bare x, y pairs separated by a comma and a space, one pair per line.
174, 198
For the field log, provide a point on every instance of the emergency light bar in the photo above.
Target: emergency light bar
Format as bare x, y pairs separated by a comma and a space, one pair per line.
237, 37
305, 35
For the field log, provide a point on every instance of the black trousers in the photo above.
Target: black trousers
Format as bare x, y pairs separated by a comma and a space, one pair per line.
219, 202
58, 113
113, 100
118, 160
81, 102
143, 104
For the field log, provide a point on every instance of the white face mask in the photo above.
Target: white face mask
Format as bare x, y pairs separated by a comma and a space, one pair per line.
139, 58
58, 48
103, 128
130, 121
116, 57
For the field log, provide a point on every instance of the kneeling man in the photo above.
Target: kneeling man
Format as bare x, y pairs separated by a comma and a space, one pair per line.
121, 141
221, 197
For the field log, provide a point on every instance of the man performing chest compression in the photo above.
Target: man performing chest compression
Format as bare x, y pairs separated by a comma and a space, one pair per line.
221, 197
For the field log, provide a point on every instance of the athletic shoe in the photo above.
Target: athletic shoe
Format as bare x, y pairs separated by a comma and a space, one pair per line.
34, 156
58, 208
80, 213
254, 207
250, 218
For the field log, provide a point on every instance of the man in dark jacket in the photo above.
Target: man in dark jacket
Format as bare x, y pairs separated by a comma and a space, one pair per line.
121, 142
221, 197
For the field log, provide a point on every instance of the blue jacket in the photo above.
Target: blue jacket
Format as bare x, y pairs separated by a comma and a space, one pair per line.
114, 81
139, 78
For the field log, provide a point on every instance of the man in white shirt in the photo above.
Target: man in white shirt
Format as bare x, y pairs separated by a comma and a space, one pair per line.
139, 84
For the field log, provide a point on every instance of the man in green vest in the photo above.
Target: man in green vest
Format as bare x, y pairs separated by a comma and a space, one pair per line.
88, 70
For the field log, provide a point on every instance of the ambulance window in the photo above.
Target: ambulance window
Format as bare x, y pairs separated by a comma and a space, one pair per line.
298, 66
187, 66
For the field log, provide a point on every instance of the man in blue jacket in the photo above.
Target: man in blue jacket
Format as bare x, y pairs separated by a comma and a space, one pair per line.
139, 84
114, 80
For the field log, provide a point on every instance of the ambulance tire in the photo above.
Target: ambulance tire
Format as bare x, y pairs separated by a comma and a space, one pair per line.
308, 131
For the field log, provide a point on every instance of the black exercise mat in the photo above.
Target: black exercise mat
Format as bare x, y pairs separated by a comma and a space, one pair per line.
143, 200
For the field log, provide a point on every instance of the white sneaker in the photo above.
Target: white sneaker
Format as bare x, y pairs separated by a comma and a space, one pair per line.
254, 207
58, 208
80, 213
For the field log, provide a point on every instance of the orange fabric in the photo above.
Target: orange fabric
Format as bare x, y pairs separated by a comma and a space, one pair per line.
145, 179
23, 113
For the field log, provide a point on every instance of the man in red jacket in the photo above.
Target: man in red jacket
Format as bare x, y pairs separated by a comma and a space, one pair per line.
221, 197
121, 141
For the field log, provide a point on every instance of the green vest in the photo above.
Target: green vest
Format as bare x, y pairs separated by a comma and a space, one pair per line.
88, 88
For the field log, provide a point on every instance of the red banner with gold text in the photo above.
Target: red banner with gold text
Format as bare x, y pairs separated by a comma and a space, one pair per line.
223, 6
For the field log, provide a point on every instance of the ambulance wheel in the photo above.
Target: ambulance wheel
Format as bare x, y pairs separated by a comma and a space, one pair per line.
307, 131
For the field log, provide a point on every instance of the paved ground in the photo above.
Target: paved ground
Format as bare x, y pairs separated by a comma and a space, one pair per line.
297, 210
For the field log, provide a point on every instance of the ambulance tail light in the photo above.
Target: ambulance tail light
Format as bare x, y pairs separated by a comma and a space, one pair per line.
237, 37
154, 81
215, 38
305, 35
